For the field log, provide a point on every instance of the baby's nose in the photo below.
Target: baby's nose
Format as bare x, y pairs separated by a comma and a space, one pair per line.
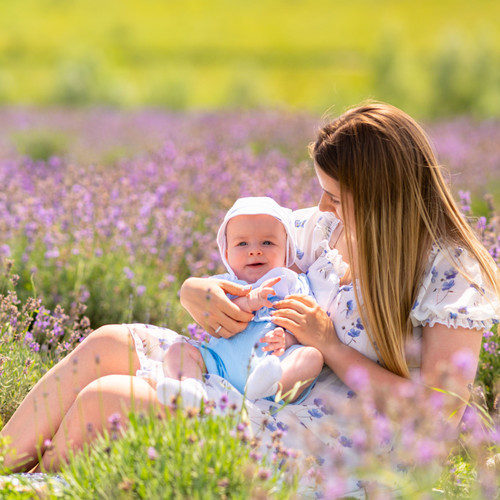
255, 251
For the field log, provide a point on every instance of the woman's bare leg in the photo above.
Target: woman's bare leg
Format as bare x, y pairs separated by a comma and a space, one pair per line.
107, 351
89, 414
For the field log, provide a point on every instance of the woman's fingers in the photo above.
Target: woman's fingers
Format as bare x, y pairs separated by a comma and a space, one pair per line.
286, 323
230, 313
234, 288
297, 302
228, 327
289, 317
206, 300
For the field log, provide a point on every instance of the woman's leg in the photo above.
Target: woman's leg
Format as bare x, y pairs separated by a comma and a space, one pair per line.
107, 351
112, 395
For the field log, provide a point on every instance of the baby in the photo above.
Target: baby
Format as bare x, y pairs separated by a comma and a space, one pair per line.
257, 247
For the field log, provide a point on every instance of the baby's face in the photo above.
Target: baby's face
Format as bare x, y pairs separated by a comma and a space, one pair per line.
255, 245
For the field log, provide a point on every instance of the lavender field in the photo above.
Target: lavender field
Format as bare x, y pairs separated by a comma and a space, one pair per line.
116, 209
104, 213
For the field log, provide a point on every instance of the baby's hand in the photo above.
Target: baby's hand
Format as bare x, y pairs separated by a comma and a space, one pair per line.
275, 342
258, 297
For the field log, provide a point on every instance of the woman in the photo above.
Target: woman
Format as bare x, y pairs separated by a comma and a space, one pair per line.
396, 224
413, 258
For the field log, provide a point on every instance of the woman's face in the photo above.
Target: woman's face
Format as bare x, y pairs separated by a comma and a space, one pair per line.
330, 199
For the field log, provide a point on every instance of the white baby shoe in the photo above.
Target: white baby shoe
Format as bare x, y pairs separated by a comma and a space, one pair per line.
263, 380
191, 390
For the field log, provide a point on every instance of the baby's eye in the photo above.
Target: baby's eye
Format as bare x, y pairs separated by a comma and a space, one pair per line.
267, 242
242, 243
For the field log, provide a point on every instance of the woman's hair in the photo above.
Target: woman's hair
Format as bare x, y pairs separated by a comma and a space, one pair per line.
402, 206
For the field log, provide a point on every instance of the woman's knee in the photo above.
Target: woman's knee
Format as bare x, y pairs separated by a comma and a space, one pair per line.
115, 393
110, 349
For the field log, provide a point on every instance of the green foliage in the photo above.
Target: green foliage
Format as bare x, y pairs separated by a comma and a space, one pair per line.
458, 479
179, 456
40, 144
20, 368
32, 338
489, 368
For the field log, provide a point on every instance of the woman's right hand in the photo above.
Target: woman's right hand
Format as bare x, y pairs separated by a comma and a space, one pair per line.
306, 320
206, 301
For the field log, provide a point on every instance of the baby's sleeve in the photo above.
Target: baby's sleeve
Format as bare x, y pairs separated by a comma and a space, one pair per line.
447, 297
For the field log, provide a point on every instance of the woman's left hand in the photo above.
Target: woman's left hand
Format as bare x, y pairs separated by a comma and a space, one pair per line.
302, 316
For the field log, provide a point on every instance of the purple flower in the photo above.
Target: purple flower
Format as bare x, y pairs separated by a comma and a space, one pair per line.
447, 285
114, 421
335, 487
426, 451
357, 378
464, 361
128, 273
152, 453
264, 474
223, 401
5, 250
345, 441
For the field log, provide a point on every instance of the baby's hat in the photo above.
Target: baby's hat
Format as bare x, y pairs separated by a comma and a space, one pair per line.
258, 205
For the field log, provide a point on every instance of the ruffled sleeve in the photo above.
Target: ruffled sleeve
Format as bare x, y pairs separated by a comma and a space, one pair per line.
312, 227
448, 298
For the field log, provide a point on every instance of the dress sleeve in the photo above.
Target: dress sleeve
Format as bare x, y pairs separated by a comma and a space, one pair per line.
447, 297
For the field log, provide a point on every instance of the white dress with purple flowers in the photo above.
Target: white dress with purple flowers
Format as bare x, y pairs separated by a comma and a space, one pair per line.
445, 297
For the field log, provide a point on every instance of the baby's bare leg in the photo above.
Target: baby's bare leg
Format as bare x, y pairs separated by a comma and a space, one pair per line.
301, 365
182, 360
183, 367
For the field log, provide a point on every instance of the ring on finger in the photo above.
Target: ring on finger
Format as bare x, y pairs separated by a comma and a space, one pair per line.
218, 329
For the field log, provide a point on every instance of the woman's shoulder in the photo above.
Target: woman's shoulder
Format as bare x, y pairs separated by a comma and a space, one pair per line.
311, 216
304, 214
312, 229
453, 292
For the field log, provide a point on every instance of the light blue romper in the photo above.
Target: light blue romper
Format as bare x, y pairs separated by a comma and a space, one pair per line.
233, 359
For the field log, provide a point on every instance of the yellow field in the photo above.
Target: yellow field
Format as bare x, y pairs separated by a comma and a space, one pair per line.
225, 53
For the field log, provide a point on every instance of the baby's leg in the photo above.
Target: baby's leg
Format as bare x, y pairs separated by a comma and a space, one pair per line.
183, 360
302, 365
183, 367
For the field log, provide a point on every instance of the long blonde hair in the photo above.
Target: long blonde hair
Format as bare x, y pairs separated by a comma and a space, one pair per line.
402, 207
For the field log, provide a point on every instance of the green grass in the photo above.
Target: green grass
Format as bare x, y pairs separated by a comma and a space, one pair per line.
432, 58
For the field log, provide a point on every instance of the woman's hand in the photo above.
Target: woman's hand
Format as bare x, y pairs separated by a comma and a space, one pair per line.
309, 323
206, 301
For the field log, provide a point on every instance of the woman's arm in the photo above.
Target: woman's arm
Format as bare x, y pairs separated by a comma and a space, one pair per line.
449, 361
206, 301
441, 348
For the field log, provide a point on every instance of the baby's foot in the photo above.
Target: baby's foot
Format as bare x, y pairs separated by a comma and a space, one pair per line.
191, 391
263, 380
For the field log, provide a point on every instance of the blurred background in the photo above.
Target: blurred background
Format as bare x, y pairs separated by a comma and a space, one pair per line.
432, 58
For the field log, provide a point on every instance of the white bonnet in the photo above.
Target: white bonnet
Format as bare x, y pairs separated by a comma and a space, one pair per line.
258, 205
